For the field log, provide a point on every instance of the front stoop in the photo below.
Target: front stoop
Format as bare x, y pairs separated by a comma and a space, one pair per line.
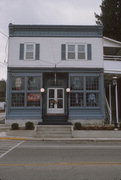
53, 131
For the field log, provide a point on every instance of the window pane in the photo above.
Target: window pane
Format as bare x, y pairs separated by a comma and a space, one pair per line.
92, 83
33, 99
71, 51
29, 47
51, 103
29, 51
81, 55
33, 83
81, 48
18, 83
76, 83
17, 99
81, 52
29, 55
51, 93
71, 48
60, 103
92, 99
71, 55
76, 99
59, 93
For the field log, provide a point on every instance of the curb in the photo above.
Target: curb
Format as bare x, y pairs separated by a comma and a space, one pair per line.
12, 138
63, 139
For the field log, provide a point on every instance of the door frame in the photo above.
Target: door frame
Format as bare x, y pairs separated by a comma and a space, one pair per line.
55, 110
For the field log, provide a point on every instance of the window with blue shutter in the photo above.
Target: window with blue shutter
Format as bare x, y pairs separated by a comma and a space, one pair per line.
29, 51
76, 51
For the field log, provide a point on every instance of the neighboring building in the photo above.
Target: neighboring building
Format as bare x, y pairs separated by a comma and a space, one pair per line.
67, 63
2, 90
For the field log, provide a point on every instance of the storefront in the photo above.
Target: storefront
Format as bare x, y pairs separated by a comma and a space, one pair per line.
55, 95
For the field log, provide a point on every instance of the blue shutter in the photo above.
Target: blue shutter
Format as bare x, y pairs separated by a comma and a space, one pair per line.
89, 52
37, 51
21, 52
63, 52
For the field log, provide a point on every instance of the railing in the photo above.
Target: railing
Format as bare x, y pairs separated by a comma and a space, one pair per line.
112, 58
109, 113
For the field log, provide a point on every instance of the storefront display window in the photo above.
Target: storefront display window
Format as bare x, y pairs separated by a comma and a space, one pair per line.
25, 91
84, 91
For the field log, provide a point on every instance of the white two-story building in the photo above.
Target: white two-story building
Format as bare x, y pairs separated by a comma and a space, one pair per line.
56, 73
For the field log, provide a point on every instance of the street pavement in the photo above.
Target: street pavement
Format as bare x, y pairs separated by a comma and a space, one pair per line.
57, 160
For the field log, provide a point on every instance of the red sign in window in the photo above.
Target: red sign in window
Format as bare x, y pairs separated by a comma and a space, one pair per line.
33, 97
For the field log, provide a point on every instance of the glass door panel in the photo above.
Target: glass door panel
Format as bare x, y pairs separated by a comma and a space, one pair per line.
55, 101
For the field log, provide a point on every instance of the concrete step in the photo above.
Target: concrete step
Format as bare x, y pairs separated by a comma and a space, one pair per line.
53, 131
54, 136
4, 126
50, 126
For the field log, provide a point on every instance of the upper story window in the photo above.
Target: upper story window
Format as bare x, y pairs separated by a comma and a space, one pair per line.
71, 52
76, 51
29, 51
81, 52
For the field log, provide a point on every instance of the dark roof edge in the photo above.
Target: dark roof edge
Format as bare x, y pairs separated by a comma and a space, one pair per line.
53, 26
13, 28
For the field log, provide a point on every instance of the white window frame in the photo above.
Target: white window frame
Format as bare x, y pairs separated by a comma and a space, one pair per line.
71, 51
76, 51
85, 51
25, 49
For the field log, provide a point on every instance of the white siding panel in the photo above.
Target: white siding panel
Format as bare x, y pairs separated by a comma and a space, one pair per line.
112, 66
50, 52
109, 43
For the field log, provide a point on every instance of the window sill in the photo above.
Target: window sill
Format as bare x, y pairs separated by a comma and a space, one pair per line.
26, 108
84, 108
76, 59
30, 60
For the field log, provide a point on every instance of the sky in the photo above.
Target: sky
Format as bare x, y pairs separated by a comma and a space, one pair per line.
62, 12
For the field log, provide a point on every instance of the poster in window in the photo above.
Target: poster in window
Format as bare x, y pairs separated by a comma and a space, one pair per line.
33, 97
18, 83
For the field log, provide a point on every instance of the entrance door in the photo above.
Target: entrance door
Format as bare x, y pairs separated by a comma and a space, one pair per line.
55, 101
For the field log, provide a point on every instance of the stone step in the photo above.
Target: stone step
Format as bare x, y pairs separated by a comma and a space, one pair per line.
53, 135
50, 126
3, 126
53, 131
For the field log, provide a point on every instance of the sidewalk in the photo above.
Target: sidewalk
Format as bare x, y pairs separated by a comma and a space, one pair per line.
87, 135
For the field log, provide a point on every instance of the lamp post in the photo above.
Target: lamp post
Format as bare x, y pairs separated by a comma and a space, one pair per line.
68, 92
42, 91
116, 101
